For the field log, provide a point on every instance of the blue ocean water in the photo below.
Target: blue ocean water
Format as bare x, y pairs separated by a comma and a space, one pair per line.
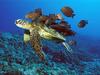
88, 38
10, 10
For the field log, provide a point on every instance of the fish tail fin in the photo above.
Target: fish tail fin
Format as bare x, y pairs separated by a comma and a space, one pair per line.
73, 15
69, 49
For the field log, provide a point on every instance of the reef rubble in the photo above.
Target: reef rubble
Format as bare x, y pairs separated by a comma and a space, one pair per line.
17, 58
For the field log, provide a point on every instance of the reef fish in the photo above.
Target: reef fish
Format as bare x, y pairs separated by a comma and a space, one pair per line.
34, 15
63, 28
82, 23
67, 11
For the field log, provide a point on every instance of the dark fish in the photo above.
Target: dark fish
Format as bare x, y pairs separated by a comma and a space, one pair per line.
82, 23
65, 24
43, 19
48, 20
34, 14
67, 11
68, 33
63, 30
51, 19
55, 17
58, 27
39, 11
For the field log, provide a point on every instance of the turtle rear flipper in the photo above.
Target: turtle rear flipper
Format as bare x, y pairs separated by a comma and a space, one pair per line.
36, 44
68, 48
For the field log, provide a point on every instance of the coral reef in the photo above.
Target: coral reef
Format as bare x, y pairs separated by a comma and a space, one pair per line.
17, 58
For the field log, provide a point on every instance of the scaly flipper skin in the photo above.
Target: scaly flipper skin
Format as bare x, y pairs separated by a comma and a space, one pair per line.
36, 44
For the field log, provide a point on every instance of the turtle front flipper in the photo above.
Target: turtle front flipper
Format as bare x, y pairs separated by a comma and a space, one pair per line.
36, 44
26, 36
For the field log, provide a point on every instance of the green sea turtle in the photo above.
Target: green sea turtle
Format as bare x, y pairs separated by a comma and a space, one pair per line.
38, 31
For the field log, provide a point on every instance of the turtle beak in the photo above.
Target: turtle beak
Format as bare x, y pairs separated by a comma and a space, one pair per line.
18, 23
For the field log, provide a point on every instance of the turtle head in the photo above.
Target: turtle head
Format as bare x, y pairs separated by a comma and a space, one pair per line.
23, 24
